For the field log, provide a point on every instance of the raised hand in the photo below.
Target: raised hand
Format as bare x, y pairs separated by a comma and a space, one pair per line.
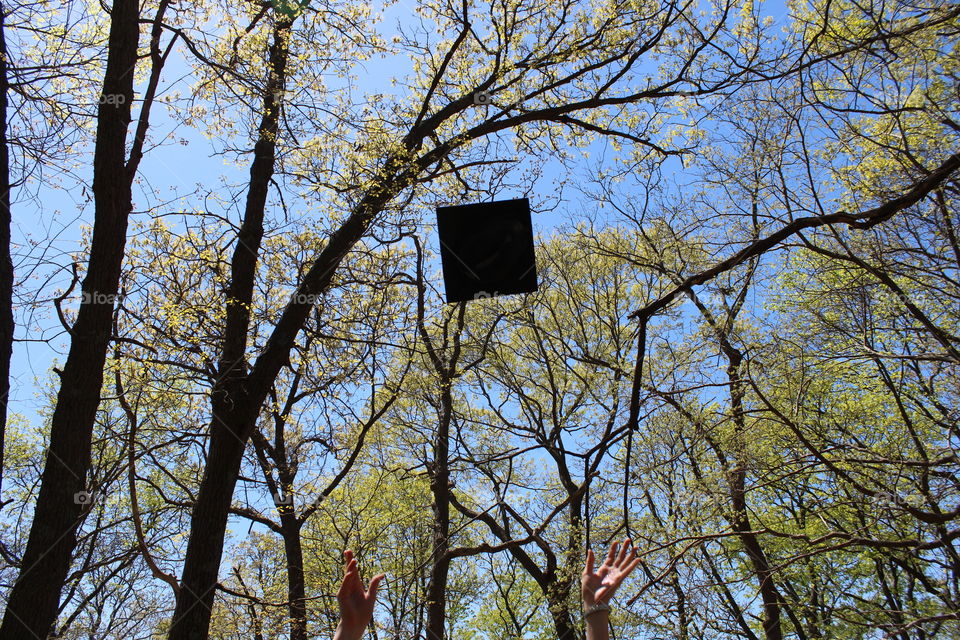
599, 586
356, 603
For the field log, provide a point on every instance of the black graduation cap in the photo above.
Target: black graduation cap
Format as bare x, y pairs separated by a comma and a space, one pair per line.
487, 249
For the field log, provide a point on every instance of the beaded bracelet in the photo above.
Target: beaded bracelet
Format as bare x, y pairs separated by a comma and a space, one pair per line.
600, 606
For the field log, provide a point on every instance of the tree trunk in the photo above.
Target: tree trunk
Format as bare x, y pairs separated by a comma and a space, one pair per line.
234, 408
6, 263
558, 590
560, 613
740, 520
33, 603
208, 523
440, 488
296, 585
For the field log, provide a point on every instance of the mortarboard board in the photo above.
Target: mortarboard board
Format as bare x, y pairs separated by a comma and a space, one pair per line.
487, 249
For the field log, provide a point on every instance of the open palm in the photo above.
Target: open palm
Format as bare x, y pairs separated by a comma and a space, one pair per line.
599, 586
356, 603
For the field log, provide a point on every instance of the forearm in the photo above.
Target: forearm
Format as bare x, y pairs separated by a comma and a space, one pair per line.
598, 626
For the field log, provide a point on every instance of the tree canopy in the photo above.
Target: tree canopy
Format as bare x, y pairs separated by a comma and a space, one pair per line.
225, 355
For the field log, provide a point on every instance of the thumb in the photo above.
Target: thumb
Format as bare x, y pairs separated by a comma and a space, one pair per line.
601, 594
374, 586
588, 569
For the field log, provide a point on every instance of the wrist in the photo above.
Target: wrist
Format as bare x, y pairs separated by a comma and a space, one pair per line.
596, 610
347, 632
596, 626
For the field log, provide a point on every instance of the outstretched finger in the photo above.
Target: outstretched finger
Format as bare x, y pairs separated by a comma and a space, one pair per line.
588, 569
612, 553
623, 551
374, 586
352, 568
